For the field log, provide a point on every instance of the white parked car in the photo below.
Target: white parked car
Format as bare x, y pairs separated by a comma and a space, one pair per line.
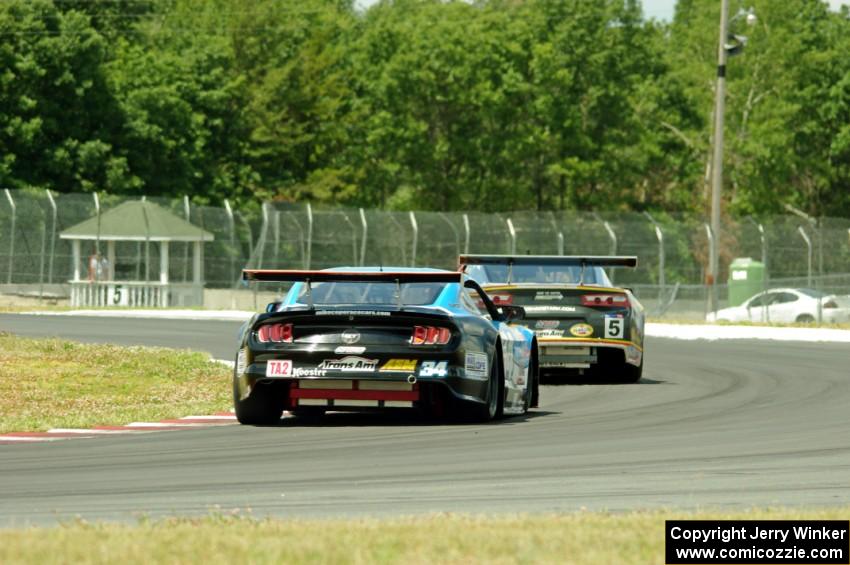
787, 305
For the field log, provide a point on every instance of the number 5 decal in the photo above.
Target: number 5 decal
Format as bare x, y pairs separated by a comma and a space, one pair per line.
614, 327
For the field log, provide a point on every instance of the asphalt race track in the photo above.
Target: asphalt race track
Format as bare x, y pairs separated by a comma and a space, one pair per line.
729, 424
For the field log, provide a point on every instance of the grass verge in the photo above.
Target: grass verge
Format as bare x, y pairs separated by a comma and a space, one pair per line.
51, 383
587, 537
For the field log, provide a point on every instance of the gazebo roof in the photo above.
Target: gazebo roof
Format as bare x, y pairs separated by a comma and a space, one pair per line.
137, 220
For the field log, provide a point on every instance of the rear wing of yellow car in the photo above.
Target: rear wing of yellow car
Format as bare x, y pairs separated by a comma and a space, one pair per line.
582, 261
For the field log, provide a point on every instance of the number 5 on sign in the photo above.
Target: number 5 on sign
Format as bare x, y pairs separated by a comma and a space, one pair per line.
614, 326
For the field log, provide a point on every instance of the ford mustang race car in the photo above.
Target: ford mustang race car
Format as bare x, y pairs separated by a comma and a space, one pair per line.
374, 338
583, 323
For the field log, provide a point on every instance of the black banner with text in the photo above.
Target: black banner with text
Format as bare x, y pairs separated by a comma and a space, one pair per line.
757, 541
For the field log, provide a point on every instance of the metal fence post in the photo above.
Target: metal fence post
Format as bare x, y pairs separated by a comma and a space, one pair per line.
52, 236
231, 224
711, 248
466, 232
309, 236
808, 241
613, 237
365, 225
659, 235
353, 237
763, 246
512, 233
41, 259
276, 232
11, 235
415, 227
260, 248
560, 243
454, 231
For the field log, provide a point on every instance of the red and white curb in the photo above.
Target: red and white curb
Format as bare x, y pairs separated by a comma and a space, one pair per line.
57, 434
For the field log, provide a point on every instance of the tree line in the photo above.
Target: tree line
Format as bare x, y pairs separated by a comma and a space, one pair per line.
489, 105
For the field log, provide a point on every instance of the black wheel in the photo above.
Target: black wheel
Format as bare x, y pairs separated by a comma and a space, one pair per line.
261, 408
495, 403
632, 374
312, 414
535, 392
805, 319
532, 394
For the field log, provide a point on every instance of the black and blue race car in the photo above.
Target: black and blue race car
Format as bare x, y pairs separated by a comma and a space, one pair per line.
584, 324
378, 338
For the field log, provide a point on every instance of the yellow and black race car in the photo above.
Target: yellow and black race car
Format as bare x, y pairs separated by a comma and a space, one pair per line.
584, 324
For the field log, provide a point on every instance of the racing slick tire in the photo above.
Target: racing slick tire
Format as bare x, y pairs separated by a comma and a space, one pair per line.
263, 406
632, 374
532, 394
494, 407
310, 415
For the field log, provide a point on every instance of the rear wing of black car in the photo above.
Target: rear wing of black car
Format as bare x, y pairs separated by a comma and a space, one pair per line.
582, 261
309, 277
267, 275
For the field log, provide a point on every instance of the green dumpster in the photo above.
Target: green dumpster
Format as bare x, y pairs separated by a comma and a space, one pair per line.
746, 278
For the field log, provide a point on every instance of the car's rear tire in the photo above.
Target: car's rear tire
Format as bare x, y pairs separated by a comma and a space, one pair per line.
310, 415
632, 373
532, 395
262, 407
494, 404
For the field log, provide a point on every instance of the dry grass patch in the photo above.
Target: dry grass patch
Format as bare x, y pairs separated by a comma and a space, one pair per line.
587, 537
52, 383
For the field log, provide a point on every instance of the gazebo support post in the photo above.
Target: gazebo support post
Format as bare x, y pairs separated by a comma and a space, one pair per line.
75, 252
163, 262
110, 256
198, 270
163, 274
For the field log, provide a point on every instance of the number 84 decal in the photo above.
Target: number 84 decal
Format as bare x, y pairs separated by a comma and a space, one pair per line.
615, 326
434, 369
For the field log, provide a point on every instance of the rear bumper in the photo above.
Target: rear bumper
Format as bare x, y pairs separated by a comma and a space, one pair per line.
353, 394
582, 353
378, 388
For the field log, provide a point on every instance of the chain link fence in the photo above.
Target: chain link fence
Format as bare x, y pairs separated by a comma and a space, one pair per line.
673, 250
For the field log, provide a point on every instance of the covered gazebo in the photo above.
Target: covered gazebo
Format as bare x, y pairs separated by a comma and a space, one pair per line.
142, 222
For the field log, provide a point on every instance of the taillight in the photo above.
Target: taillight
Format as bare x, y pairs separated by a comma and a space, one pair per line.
618, 300
502, 299
430, 335
277, 333
830, 304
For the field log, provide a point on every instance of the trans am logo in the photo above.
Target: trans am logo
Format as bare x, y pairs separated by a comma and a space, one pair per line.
549, 333
350, 363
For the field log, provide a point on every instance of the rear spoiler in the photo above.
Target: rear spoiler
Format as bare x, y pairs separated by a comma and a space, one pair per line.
551, 260
310, 277
582, 261
350, 276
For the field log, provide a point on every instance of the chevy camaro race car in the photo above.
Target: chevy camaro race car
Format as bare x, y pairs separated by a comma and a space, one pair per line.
583, 323
374, 338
